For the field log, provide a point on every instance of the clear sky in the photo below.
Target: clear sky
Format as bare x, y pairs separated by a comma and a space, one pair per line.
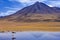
10, 6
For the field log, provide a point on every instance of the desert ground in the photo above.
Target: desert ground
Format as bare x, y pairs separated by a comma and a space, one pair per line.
31, 26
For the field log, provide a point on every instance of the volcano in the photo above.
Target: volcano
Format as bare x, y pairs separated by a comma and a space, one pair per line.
36, 17
35, 13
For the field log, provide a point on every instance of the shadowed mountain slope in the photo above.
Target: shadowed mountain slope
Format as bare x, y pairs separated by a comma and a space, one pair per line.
38, 7
35, 13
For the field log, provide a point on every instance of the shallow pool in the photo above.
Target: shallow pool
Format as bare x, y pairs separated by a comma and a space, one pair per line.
30, 35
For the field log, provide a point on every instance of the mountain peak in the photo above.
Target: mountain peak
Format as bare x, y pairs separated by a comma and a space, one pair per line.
38, 7
41, 3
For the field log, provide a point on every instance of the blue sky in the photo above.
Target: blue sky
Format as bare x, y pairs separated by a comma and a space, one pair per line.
8, 7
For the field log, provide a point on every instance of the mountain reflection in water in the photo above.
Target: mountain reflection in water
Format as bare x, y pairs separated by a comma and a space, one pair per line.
30, 36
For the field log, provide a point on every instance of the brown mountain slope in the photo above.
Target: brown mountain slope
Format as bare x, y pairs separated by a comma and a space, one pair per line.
37, 12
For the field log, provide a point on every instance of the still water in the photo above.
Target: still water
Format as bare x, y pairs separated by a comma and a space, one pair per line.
30, 36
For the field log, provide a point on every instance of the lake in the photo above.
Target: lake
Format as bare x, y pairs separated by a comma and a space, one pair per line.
36, 35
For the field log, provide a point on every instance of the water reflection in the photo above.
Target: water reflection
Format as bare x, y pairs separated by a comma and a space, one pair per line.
30, 36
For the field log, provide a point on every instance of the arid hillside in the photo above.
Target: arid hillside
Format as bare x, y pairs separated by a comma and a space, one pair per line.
29, 26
